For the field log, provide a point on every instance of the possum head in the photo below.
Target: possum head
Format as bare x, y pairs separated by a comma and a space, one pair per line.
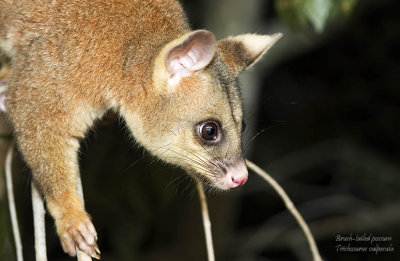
198, 121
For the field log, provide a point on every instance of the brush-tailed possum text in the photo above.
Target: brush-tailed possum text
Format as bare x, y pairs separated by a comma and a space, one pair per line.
175, 88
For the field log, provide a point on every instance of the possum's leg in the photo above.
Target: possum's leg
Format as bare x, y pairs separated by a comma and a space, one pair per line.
55, 169
48, 137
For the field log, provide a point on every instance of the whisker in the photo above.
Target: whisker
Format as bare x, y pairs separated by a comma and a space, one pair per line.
204, 160
134, 163
255, 136
176, 182
168, 129
227, 149
208, 169
208, 172
246, 137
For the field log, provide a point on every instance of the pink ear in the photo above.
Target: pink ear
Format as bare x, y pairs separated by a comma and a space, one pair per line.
193, 54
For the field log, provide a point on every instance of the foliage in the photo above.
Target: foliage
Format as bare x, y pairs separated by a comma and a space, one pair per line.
302, 13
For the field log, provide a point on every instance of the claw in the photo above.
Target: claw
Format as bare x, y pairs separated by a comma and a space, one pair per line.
93, 255
97, 249
96, 256
77, 231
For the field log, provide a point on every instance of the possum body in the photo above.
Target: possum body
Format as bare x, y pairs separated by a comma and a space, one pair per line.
176, 89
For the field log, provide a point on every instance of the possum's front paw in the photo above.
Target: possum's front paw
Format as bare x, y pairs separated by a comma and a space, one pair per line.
77, 231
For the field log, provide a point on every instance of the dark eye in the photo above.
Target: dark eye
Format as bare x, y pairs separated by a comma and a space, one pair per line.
209, 131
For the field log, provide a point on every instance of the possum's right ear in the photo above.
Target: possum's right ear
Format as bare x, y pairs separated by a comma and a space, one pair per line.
242, 51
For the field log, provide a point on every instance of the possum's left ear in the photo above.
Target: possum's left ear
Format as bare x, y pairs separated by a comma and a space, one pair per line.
242, 51
192, 54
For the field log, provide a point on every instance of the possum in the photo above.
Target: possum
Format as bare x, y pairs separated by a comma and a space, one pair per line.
176, 89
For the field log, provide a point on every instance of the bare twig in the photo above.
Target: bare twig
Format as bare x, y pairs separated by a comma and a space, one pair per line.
206, 222
11, 203
39, 224
82, 256
290, 206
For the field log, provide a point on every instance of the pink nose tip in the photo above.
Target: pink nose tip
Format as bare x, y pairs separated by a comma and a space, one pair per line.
238, 181
236, 176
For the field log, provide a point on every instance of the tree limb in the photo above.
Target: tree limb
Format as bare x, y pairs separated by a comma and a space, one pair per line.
206, 222
290, 206
11, 203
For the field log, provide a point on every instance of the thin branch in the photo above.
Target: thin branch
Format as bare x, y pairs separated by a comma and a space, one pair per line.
290, 206
206, 222
82, 256
39, 224
11, 203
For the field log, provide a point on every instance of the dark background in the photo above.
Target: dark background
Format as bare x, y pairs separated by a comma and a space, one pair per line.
326, 119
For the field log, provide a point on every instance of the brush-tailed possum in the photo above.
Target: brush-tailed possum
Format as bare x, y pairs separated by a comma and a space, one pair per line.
176, 89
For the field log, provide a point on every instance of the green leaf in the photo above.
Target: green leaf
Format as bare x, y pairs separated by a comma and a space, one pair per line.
300, 14
343, 8
318, 12
289, 11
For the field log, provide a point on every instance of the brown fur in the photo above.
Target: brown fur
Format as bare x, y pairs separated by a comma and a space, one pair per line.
71, 61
